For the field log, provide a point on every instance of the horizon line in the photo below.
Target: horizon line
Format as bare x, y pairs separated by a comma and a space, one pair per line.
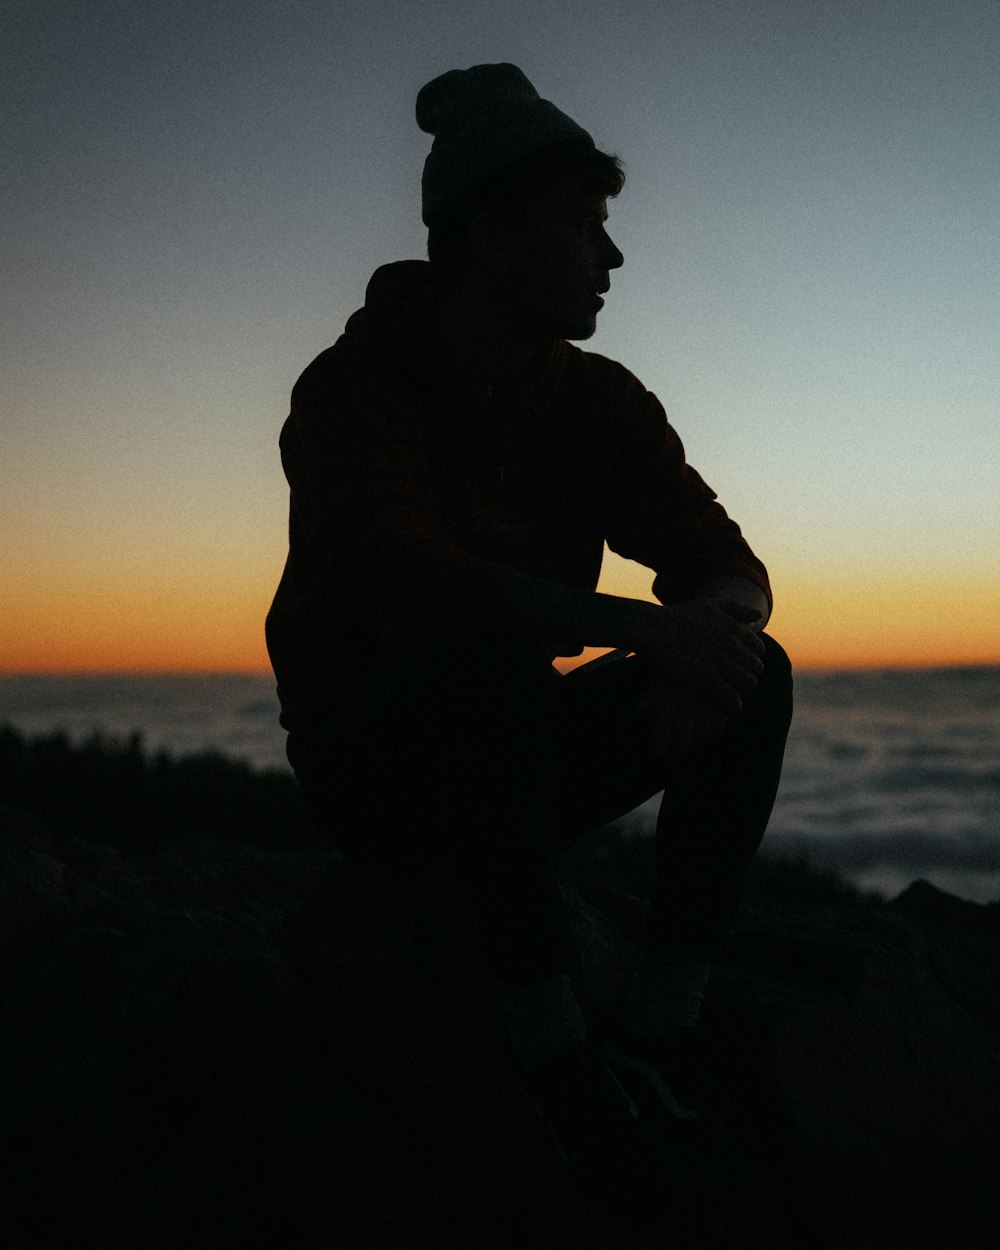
799, 667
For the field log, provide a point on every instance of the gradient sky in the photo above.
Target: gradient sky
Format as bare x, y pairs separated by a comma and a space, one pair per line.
195, 195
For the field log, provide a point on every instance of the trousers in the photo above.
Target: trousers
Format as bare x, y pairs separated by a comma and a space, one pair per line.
478, 763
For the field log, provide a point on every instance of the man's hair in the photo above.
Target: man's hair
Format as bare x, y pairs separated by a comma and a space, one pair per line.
577, 165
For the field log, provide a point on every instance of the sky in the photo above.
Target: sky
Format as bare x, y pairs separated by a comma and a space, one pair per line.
195, 194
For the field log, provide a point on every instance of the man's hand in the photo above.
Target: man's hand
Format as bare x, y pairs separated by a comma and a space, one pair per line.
706, 647
705, 650
731, 589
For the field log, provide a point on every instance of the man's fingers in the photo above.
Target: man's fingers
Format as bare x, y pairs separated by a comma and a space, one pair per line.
744, 655
735, 633
743, 682
733, 663
711, 651
749, 641
723, 680
739, 611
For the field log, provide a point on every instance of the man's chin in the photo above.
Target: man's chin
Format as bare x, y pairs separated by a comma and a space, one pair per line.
584, 328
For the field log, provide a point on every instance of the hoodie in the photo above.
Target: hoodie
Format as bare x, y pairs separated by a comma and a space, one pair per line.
416, 490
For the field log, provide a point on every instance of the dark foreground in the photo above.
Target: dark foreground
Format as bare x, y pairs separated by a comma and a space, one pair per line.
215, 1031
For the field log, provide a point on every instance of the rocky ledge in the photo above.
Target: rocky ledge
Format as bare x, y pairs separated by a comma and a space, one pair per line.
208, 1042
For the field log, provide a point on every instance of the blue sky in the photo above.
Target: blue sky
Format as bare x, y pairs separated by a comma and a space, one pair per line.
195, 195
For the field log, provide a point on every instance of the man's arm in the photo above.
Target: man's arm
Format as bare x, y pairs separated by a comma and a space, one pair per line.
700, 646
662, 514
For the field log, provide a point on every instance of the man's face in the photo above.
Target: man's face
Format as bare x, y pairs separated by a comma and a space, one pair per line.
558, 263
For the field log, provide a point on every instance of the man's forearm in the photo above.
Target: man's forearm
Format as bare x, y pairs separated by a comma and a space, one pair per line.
705, 646
544, 609
534, 607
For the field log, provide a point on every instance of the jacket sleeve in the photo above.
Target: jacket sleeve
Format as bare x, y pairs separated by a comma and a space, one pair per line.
363, 504
660, 511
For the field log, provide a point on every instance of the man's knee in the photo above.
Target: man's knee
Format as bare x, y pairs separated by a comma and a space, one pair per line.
776, 662
775, 683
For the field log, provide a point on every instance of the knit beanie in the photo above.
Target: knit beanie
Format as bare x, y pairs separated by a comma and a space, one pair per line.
483, 119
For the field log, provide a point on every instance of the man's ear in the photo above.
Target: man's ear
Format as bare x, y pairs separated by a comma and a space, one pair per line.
491, 241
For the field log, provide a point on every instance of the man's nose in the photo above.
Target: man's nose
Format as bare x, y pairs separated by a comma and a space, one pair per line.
615, 259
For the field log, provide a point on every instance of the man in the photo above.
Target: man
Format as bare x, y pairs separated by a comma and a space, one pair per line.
456, 467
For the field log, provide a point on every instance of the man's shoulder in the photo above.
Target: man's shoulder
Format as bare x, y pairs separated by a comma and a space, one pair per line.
333, 367
340, 378
318, 372
591, 373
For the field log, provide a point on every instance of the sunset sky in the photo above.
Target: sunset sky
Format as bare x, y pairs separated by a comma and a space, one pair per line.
195, 194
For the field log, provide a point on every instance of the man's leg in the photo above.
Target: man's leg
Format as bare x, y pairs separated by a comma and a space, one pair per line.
483, 761
716, 803
446, 769
479, 761
442, 768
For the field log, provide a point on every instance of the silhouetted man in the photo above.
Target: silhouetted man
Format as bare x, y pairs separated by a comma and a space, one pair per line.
456, 467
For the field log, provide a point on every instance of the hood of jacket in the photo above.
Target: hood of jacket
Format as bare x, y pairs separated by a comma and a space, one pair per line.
397, 322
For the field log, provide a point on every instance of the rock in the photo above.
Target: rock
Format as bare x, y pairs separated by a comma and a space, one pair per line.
38, 888
926, 904
227, 1045
405, 1006
885, 1093
963, 940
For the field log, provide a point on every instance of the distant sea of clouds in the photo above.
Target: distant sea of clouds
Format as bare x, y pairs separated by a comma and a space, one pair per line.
889, 775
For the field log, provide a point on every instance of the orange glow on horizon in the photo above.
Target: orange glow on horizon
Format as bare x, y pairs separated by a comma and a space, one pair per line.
147, 631
893, 622
215, 624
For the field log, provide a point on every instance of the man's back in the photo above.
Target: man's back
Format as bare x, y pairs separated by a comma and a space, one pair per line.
415, 490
